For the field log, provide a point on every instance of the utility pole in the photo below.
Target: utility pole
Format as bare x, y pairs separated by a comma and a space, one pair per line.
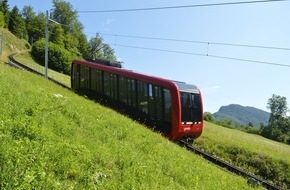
46, 41
46, 44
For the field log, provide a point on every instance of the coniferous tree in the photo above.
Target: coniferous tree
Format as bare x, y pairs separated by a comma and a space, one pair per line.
16, 24
2, 20
4, 8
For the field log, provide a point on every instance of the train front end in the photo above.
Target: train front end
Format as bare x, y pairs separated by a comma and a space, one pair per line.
190, 120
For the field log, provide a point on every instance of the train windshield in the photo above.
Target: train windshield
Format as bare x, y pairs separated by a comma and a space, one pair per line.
191, 110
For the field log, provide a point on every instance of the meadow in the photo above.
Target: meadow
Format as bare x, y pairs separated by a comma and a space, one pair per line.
260, 156
254, 153
52, 138
26, 59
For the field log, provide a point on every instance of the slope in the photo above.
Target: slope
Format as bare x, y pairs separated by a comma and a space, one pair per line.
10, 44
258, 155
52, 138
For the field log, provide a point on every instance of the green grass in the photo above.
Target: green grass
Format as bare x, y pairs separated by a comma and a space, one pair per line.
12, 44
261, 156
52, 138
25, 58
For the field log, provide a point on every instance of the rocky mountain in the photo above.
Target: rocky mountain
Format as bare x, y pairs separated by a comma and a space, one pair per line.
241, 115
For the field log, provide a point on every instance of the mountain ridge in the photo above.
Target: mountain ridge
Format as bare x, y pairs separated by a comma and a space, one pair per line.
242, 115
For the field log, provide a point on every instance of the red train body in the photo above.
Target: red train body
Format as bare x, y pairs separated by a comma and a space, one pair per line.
173, 108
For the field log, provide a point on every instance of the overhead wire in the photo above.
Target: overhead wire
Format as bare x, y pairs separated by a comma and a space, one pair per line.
204, 55
201, 42
179, 6
198, 42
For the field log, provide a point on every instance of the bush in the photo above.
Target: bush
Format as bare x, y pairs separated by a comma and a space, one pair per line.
59, 58
208, 117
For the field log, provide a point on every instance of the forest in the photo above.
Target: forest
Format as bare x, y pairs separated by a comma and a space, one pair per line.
67, 40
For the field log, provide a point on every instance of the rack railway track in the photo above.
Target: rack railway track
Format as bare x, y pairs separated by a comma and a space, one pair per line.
252, 179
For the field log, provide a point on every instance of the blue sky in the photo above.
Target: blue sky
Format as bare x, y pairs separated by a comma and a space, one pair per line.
221, 81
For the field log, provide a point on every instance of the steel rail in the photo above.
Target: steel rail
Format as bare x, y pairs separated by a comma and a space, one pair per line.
252, 179
12, 62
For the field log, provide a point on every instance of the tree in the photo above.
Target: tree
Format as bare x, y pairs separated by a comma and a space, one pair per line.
74, 39
83, 45
278, 126
64, 14
108, 52
71, 44
2, 21
56, 34
4, 8
59, 58
16, 24
98, 49
35, 24
95, 47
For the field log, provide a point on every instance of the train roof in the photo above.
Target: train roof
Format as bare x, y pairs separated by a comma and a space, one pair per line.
106, 62
181, 86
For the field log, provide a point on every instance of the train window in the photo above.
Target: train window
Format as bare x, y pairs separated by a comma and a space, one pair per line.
190, 107
155, 102
196, 108
99, 81
127, 91
84, 77
76, 76
158, 102
167, 105
143, 96
114, 87
110, 85
132, 94
107, 88
151, 102
123, 90
93, 79
150, 90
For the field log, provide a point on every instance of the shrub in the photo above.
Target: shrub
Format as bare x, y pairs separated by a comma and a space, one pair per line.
59, 58
209, 117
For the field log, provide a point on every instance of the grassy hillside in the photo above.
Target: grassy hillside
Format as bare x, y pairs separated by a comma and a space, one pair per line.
264, 157
12, 44
54, 139
26, 59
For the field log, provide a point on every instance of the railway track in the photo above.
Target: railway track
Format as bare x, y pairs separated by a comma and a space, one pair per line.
252, 179
12, 62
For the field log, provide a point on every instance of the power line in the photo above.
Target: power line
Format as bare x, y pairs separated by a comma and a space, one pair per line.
180, 6
198, 42
204, 55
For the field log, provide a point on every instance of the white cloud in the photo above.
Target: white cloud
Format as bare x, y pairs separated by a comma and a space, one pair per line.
109, 21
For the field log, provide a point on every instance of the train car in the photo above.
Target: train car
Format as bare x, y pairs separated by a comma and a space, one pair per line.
173, 108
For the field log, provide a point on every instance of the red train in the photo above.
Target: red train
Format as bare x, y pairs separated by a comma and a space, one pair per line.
173, 108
